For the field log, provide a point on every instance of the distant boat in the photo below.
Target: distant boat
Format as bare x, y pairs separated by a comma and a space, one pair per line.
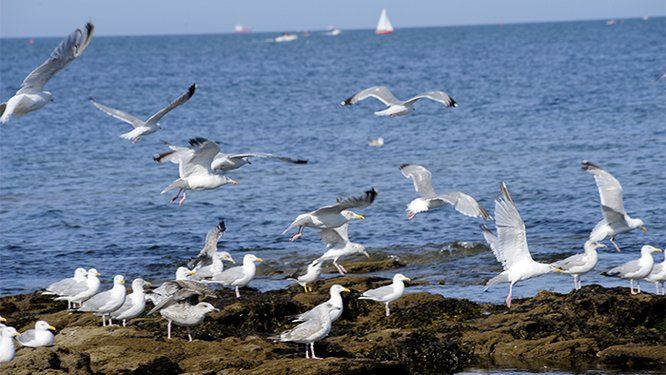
384, 25
286, 37
334, 32
240, 29
611, 22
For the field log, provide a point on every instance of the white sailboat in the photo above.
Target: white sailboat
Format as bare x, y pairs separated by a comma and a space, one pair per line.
384, 25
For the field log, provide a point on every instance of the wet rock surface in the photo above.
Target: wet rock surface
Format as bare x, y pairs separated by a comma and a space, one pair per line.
591, 328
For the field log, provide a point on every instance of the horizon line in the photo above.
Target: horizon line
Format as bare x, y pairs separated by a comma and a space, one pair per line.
231, 32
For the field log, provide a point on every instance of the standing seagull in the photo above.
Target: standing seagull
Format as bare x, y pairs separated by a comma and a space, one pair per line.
194, 168
335, 300
422, 179
108, 301
616, 220
38, 337
309, 277
636, 269
397, 107
332, 216
238, 276
149, 126
338, 245
31, 97
658, 276
59, 287
78, 294
310, 331
578, 264
510, 246
388, 293
134, 303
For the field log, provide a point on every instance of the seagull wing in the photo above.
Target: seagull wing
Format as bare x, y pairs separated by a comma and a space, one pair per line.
465, 204
379, 293
182, 99
511, 232
438, 96
335, 236
422, 179
577, 260
267, 156
120, 115
228, 276
380, 93
66, 52
204, 152
210, 246
610, 191
493, 242
347, 203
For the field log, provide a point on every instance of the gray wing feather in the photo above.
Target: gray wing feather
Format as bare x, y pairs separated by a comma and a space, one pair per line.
625, 269
347, 203
380, 93
268, 156
465, 204
570, 262
422, 179
438, 96
379, 293
26, 336
228, 276
209, 249
118, 114
66, 52
182, 99
610, 191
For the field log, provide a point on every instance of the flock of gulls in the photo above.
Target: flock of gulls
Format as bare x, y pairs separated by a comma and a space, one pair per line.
201, 165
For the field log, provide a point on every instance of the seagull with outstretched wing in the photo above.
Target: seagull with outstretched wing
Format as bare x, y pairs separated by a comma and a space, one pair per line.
397, 107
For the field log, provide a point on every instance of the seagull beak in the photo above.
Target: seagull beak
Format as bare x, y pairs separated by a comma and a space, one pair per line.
359, 217
3, 320
644, 229
52, 328
233, 182
232, 260
191, 273
557, 269
122, 282
346, 290
657, 250
259, 260
407, 279
17, 334
98, 274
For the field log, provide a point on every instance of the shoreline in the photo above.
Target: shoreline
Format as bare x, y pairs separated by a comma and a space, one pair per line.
593, 328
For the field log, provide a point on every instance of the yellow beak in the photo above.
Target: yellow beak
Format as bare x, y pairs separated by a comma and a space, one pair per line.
259, 260
191, 273
360, 217
52, 328
557, 270
122, 282
644, 229
3, 320
98, 274
17, 334
658, 250
346, 290
234, 182
408, 279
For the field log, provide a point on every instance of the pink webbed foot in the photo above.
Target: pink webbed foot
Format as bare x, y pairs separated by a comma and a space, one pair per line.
295, 236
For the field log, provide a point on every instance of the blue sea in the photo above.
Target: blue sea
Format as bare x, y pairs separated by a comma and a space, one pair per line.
535, 100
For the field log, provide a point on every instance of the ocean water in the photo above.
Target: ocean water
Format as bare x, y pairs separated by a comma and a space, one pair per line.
535, 100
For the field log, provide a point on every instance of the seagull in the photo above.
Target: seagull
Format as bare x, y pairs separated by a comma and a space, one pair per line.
238, 276
7, 348
38, 337
334, 301
59, 288
579, 264
150, 126
510, 246
338, 245
31, 97
108, 301
310, 331
422, 179
636, 269
134, 303
397, 107
388, 293
658, 276
2, 320
194, 168
332, 216
616, 220
186, 315
209, 260
660, 76
310, 276
77, 294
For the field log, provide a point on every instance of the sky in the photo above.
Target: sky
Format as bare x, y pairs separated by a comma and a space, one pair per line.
36, 18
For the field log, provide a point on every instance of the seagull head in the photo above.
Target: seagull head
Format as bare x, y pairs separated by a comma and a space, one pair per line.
350, 215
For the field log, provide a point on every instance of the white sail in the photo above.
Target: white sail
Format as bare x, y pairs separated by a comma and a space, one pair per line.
384, 25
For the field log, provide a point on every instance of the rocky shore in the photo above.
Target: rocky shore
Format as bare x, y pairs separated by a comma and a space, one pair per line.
591, 328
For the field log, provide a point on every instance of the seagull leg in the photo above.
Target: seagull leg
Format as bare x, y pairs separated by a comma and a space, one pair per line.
169, 330
110, 321
508, 298
313, 353
580, 283
182, 200
340, 269
103, 321
174, 199
297, 235
612, 240
305, 287
575, 277
410, 215
237, 293
388, 311
631, 286
638, 286
123, 322
189, 334
343, 269
307, 352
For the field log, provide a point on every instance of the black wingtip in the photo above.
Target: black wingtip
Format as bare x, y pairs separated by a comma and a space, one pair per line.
197, 141
454, 103
404, 165
159, 157
90, 27
347, 101
300, 161
91, 98
588, 166
220, 226
191, 90
372, 194
484, 228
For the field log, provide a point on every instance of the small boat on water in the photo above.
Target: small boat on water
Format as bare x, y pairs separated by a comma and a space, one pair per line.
240, 29
334, 32
286, 37
611, 22
384, 25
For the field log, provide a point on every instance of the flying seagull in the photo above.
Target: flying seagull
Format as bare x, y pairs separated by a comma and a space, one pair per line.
397, 107
142, 128
429, 199
510, 246
31, 97
332, 216
194, 168
616, 220
338, 245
